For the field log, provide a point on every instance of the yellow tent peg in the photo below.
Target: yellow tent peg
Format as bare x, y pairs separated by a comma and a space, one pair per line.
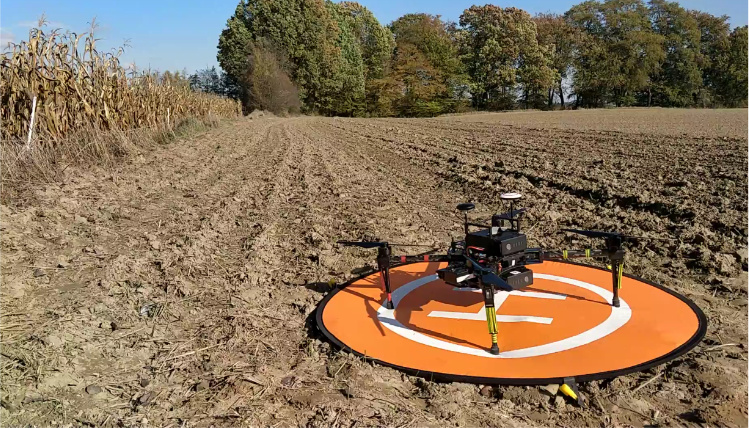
566, 390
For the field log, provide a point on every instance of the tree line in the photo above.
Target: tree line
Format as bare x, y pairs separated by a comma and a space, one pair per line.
337, 59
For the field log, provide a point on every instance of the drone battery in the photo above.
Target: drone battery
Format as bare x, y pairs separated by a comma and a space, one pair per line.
511, 260
511, 243
504, 244
518, 277
455, 275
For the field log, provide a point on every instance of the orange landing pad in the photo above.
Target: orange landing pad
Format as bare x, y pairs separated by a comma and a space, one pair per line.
561, 326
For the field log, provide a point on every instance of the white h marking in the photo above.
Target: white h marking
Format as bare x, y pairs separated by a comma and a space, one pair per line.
618, 317
499, 299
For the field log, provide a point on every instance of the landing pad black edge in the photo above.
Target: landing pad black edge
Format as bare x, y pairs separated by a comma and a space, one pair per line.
445, 377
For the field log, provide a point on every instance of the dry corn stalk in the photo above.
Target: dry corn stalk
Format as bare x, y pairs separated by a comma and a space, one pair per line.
79, 87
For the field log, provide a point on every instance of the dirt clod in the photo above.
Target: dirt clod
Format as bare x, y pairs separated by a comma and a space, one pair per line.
93, 389
288, 381
203, 384
551, 390
148, 310
54, 341
559, 403
486, 391
146, 398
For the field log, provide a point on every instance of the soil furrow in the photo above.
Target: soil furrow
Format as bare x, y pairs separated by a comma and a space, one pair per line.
183, 283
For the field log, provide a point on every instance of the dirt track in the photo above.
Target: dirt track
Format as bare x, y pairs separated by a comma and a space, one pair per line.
182, 284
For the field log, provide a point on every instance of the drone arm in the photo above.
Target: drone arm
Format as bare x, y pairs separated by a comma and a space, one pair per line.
614, 256
538, 255
419, 258
574, 254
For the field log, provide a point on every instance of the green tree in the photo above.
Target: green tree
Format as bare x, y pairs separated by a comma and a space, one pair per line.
724, 61
344, 90
714, 32
678, 80
235, 47
618, 53
300, 32
376, 44
560, 39
501, 53
535, 76
735, 92
424, 42
306, 33
418, 81
207, 80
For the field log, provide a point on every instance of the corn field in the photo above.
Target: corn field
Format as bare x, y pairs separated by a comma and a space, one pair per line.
79, 88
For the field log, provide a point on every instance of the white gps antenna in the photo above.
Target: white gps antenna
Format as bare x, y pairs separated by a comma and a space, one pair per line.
512, 197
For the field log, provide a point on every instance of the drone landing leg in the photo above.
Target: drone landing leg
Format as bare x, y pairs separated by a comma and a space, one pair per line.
385, 276
617, 269
383, 264
491, 315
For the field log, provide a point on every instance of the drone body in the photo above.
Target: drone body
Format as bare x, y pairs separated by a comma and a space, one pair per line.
496, 258
412, 328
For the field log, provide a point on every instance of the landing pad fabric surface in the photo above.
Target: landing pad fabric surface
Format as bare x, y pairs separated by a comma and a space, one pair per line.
561, 326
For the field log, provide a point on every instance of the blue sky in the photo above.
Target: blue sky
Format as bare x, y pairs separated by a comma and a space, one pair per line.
176, 35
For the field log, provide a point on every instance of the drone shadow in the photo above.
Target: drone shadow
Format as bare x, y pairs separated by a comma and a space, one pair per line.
573, 296
372, 305
433, 333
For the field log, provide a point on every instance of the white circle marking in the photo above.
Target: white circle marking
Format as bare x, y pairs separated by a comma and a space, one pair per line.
618, 317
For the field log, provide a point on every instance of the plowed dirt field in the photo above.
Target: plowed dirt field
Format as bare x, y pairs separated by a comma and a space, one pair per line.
178, 289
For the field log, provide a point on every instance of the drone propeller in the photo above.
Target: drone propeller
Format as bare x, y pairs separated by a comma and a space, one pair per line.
375, 244
607, 235
363, 244
595, 233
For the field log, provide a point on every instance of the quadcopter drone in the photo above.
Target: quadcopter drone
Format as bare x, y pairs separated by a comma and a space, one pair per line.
496, 258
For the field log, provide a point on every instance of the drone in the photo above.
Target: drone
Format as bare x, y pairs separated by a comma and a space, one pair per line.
495, 258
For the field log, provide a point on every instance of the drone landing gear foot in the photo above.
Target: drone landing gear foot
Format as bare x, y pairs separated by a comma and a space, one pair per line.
491, 320
617, 271
495, 348
389, 303
383, 264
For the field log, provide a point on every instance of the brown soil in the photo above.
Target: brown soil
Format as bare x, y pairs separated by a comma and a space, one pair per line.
179, 288
704, 123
